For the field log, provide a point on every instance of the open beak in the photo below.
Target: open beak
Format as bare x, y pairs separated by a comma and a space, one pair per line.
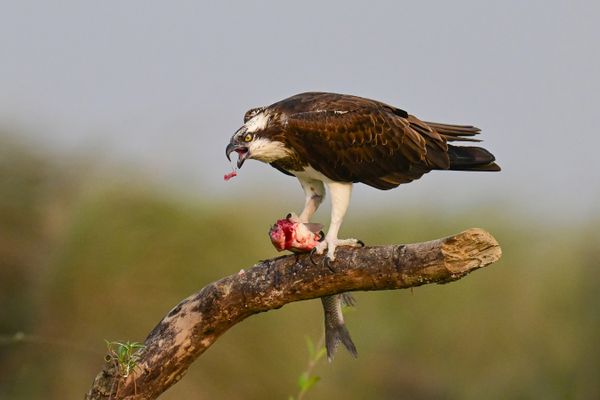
242, 150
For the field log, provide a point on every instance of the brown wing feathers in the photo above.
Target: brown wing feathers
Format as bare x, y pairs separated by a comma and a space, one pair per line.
353, 139
360, 146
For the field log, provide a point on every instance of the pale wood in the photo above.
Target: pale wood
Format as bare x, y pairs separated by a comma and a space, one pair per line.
194, 324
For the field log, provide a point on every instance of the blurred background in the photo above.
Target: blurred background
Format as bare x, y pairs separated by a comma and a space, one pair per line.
114, 118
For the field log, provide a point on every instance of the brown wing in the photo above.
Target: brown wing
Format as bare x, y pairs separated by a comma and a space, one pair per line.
352, 139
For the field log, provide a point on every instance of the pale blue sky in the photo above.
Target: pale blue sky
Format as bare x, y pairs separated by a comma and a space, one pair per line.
163, 85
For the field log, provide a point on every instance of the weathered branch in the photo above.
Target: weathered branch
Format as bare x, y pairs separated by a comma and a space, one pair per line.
195, 323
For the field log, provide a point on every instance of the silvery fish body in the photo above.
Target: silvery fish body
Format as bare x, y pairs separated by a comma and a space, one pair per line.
335, 329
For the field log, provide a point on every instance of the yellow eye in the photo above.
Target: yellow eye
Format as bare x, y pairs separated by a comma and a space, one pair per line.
248, 137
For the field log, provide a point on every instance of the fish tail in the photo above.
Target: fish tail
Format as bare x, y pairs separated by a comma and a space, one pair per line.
335, 329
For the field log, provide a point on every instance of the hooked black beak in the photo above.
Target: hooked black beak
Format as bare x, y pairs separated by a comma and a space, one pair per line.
243, 153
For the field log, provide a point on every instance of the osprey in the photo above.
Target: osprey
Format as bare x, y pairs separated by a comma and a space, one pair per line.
335, 140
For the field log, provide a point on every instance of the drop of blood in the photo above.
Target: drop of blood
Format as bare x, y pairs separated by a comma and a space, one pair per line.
229, 175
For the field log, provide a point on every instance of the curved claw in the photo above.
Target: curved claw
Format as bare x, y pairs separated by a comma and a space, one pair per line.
321, 236
327, 261
360, 243
311, 254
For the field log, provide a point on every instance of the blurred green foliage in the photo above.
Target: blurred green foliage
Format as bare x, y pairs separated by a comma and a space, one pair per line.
82, 261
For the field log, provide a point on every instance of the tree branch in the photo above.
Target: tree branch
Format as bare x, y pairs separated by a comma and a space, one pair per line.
195, 323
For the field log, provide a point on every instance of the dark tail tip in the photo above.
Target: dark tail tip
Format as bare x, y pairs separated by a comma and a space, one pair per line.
338, 334
468, 158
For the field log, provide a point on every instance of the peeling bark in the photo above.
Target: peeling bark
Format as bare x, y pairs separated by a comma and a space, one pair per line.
194, 324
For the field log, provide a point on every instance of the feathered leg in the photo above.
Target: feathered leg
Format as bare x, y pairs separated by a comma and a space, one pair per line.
314, 193
340, 198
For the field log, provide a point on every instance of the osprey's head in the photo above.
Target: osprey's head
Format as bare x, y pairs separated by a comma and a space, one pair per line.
255, 139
